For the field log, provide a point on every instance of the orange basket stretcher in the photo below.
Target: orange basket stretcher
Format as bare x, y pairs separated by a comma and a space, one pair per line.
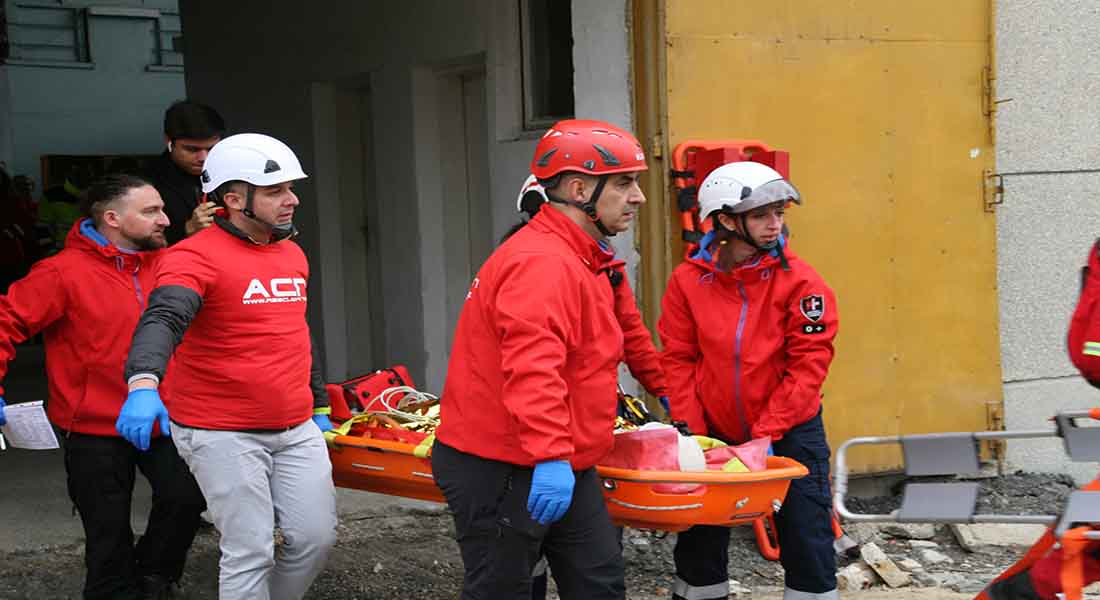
633, 499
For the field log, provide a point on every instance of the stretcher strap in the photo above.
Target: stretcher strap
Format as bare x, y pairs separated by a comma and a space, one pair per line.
344, 428
424, 448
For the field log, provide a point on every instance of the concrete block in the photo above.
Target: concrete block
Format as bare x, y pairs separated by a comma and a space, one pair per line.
923, 544
856, 576
997, 535
929, 556
910, 565
886, 569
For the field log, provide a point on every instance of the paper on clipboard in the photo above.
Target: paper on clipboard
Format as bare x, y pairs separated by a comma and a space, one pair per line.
28, 427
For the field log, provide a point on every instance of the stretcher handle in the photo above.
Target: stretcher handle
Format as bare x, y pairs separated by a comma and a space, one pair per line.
840, 487
662, 508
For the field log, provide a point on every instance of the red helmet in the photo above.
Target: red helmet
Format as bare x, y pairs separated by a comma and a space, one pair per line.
592, 147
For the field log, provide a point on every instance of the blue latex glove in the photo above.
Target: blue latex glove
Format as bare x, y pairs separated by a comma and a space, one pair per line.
664, 403
3, 419
551, 491
770, 451
141, 411
323, 422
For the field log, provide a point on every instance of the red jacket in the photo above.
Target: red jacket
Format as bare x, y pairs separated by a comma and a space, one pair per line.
639, 352
86, 301
532, 373
746, 352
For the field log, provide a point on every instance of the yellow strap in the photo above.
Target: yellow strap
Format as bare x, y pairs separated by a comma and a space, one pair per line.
344, 428
709, 443
424, 448
322, 410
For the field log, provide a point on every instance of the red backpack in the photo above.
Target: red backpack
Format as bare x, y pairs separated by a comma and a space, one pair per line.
1084, 328
354, 395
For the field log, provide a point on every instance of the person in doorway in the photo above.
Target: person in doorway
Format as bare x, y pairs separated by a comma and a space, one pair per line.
639, 353
60, 208
86, 301
190, 130
745, 305
247, 401
529, 401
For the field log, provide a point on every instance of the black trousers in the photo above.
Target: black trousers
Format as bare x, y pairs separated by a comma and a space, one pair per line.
803, 525
101, 472
500, 543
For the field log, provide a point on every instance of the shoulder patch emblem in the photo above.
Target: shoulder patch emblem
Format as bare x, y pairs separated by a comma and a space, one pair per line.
812, 307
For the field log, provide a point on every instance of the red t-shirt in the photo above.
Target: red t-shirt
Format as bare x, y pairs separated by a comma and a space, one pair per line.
244, 362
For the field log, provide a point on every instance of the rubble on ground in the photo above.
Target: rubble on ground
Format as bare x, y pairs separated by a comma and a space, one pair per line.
411, 553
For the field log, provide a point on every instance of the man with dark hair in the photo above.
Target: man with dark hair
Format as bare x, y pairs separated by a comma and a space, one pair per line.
190, 130
86, 301
246, 397
529, 403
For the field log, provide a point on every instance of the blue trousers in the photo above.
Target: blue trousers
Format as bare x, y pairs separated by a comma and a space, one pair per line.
803, 527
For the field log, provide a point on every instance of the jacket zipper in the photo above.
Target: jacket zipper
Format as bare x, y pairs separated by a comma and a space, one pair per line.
738, 404
120, 265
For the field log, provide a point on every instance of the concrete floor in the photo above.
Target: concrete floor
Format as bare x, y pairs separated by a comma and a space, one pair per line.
35, 510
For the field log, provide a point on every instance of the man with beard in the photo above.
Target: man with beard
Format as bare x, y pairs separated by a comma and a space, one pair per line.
86, 301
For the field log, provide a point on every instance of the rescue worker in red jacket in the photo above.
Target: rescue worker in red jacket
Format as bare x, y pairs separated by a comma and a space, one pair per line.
639, 353
247, 402
747, 329
529, 403
86, 301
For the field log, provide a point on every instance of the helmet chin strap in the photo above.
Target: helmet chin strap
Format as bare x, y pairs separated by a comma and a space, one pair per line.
278, 231
748, 239
589, 207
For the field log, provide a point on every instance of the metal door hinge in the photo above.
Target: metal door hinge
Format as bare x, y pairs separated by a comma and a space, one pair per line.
656, 146
995, 421
993, 190
989, 88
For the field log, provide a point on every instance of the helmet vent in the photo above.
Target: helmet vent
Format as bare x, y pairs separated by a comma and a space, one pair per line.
545, 158
609, 159
205, 176
271, 166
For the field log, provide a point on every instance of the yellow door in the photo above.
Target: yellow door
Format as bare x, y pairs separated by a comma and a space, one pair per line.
881, 104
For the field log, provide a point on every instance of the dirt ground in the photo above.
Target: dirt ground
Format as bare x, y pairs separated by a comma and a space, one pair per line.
411, 553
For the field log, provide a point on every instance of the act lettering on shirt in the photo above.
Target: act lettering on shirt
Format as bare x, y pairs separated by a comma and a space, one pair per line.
279, 289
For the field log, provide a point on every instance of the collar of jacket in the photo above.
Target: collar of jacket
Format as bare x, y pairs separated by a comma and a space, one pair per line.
84, 237
760, 266
233, 230
588, 250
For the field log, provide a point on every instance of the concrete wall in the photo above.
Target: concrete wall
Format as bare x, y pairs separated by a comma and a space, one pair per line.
6, 152
1047, 81
115, 107
602, 59
264, 82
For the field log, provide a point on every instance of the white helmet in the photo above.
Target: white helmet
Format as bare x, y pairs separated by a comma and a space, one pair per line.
531, 196
251, 157
739, 187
